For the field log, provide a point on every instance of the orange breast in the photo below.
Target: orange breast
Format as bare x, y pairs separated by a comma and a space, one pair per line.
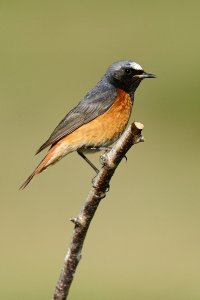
102, 131
106, 128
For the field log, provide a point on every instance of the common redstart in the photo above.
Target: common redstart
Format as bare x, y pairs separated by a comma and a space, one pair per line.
98, 120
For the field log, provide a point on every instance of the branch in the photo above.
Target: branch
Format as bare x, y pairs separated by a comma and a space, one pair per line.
98, 191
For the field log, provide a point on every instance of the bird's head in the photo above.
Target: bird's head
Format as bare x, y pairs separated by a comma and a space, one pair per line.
127, 75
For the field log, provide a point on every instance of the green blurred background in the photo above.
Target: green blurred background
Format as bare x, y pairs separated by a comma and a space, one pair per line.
144, 241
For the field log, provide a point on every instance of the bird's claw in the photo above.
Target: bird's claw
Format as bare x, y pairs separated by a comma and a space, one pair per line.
102, 159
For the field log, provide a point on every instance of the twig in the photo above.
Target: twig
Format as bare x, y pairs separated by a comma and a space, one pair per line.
98, 191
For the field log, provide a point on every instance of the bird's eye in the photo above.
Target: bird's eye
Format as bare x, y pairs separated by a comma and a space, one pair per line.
128, 71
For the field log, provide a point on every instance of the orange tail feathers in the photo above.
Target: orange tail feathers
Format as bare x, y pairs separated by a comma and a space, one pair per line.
56, 152
42, 166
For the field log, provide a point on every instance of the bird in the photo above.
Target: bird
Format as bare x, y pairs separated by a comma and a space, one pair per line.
98, 120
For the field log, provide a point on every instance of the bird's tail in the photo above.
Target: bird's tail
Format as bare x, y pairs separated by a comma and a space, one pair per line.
41, 167
55, 153
26, 182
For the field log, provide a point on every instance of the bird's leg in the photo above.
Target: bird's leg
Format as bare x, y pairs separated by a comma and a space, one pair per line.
88, 161
93, 166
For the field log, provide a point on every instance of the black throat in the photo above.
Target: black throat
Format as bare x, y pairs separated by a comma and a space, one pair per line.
127, 86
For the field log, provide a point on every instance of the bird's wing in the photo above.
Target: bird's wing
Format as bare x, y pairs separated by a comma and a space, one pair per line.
94, 104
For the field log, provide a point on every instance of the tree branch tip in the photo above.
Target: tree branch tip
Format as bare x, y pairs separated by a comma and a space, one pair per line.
139, 125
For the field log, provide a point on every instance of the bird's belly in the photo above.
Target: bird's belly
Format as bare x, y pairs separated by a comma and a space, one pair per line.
106, 128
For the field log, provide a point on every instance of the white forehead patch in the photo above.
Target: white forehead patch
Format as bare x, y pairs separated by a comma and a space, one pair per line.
135, 66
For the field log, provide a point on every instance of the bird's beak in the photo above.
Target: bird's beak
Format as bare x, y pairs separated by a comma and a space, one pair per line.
144, 75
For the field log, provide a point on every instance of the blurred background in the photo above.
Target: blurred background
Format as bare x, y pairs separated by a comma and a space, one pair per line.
144, 242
